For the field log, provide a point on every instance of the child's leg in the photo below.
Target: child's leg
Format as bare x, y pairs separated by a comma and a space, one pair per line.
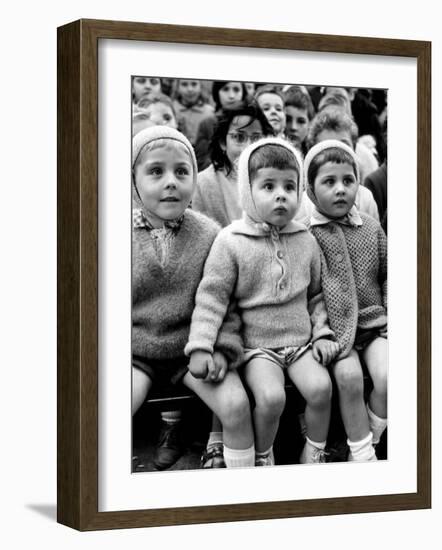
375, 357
228, 400
266, 381
350, 382
314, 384
141, 384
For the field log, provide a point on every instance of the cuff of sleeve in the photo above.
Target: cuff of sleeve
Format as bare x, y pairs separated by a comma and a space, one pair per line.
324, 334
197, 346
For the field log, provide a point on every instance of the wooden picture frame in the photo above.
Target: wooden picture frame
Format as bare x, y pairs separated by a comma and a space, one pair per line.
77, 224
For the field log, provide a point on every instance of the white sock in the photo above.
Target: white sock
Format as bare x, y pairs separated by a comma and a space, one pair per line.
377, 425
239, 458
214, 438
310, 450
363, 450
171, 417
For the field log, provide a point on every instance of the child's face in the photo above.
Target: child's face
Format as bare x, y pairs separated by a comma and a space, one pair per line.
340, 135
297, 124
164, 179
274, 192
335, 188
145, 87
230, 94
242, 131
161, 114
273, 108
189, 90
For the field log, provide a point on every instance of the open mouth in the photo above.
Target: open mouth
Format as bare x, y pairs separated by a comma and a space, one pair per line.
340, 203
170, 199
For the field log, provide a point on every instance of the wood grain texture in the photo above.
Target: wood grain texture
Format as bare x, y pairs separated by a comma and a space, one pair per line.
77, 223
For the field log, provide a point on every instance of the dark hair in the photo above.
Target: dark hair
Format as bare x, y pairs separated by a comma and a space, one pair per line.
296, 97
218, 85
251, 109
272, 155
333, 154
334, 119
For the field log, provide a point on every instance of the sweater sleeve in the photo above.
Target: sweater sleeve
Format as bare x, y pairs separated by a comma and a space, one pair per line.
229, 341
316, 304
213, 297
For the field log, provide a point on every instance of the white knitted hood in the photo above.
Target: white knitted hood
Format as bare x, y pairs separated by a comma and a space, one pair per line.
245, 191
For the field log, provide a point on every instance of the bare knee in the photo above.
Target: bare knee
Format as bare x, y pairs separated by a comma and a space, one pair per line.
236, 409
320, 395
270, 401
380, 382
349, 378
141, 384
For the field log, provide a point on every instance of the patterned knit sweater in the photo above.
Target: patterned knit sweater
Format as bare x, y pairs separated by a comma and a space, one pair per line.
163, 295
354, 277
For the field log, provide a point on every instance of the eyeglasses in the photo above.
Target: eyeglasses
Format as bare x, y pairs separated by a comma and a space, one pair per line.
240, 137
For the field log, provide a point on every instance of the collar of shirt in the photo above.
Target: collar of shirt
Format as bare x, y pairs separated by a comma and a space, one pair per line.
352, 218
139, 221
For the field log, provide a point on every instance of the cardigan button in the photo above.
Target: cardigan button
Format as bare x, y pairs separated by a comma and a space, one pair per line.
339, 257
282, 286
279, 254
344, 287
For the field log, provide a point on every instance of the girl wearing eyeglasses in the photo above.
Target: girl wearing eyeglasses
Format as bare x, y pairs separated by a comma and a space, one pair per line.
216, 194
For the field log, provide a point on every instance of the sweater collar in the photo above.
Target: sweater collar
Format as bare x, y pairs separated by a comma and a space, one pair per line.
352, 218
246, 226
140, 221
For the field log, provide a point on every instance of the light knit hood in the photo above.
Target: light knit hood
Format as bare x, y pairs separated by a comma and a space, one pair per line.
244, 184
317, 150
154, 133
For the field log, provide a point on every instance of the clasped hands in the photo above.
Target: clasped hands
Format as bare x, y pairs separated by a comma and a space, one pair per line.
324, 351
211, 368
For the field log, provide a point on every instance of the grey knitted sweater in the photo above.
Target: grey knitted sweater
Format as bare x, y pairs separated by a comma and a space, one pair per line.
163, 296
354, 277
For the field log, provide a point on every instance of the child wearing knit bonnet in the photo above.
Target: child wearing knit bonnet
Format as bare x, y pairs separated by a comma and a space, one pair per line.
354, 282
170, 244
271, 265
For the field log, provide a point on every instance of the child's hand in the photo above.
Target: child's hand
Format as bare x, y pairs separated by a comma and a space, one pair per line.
200, 363
325, 351
219, 368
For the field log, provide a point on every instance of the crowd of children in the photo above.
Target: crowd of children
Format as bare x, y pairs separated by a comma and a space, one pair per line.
259, 254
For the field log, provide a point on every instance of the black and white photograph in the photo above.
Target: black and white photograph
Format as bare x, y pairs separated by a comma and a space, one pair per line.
259, 274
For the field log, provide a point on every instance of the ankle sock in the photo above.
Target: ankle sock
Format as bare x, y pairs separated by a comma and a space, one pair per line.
377, 425
239, 458
363, 450
171, 417
310, 450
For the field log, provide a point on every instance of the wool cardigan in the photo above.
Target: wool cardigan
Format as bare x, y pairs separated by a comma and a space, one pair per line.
273, 275
354, 277
163, 297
